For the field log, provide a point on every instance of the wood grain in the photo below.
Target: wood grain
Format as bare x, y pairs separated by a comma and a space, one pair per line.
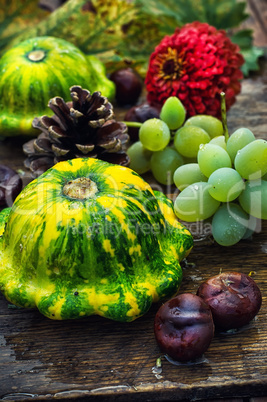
96, 359
99, 359
257, 21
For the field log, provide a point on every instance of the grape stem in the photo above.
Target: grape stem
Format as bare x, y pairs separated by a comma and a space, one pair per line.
132, 124
224, 119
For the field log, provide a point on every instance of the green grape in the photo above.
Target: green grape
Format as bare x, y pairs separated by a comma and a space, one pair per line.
226, 184
220, 140
238, 140
154, 134
210, 124
188, 174
164, 163
139, 157
229, 224
254, 226
173, 113
254, 198
188, 139
190, 160
211, 157
251, 161
195, 203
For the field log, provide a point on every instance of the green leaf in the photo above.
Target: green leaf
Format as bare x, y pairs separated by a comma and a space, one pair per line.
251, 56
222, 14
243, 38
171, 14
16, 17
51, 24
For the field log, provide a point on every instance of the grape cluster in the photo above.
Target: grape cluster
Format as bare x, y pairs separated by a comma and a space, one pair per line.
155, 151
220, 178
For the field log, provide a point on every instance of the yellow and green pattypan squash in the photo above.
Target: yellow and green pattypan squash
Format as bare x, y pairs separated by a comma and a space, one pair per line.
39, 69
88, 237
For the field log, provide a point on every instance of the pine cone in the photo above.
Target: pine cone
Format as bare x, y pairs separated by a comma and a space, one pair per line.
84, 127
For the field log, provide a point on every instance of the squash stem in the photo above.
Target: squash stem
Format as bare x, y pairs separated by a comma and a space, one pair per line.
80, 189
36, 55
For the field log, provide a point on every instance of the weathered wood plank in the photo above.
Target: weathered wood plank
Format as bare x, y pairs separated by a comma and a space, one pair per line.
257, 21
96, 359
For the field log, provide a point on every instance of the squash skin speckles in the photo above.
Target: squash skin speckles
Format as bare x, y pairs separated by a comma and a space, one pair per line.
27, 84
112, 254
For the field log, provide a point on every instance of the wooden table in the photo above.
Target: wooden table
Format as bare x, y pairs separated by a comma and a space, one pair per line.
97, 359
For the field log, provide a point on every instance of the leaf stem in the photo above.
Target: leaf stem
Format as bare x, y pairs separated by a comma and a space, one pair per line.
132, 124
224, 118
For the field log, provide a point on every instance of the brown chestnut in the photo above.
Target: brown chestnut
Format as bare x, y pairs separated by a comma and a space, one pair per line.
10, 185
128, 86
184, 327
233, 297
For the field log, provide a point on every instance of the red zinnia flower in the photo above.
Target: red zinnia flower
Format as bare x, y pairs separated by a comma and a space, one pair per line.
196, 64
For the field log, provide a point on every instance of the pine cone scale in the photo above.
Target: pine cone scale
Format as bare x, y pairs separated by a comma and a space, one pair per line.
58, 151
112, 145
42, 145
56, 133
85, 149
28, 147
112, 129
61, 110
41, 164
96, 123
79, 97
116, 148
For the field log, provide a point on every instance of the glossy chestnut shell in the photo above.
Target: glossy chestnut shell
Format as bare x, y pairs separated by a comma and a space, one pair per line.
184, 327
233, 297
128, 86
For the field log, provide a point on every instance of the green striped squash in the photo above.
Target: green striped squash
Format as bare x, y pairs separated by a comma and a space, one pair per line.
39, 69
88, 237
